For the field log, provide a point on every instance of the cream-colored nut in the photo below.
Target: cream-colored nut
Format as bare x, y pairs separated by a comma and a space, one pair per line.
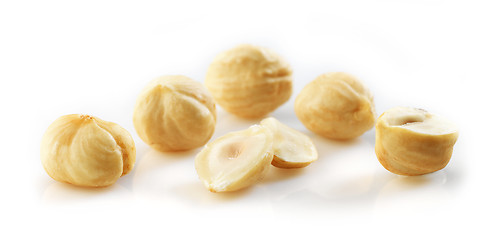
292, 149
86, 151
336, 106
235, 160
174, 113
411, 141
249, 81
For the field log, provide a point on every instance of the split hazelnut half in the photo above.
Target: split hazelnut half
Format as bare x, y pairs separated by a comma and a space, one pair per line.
412, 141
235, 160
86, 151
292, 149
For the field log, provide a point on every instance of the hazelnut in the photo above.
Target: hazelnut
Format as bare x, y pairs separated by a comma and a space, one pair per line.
292, 149
87, 151
174, 113
336, 106
249, 81
411, 141
235, 160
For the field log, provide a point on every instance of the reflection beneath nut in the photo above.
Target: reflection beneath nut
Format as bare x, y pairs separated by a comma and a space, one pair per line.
64, 193
406, 183
157, 171
280, 174
197, 195
349, 173
412, 195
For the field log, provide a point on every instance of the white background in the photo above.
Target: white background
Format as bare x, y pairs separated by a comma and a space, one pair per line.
94, 57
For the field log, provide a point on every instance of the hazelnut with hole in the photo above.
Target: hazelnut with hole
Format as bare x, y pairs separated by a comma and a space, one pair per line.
87, 151
336, 106
249, 81
235, 160
411, 141
174, 113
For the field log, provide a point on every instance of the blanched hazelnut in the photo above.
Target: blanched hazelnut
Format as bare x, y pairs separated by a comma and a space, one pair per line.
411, 141
86, 151
235, 160
174, 113
292, 149
336, 106
249, 81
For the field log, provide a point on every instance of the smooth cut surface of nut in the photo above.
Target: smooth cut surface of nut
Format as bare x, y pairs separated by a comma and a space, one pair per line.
249, 81
235, 160
292, 149
174, 113
86, 151
411, 141
336, 106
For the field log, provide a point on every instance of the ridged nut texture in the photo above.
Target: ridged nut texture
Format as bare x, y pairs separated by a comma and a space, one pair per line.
249, 81
412, 141
174, 113
86, 151
336, 106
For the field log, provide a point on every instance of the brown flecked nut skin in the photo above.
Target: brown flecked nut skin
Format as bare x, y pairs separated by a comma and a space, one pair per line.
336, 106
174, 113
249, 81
413, 142
86, 151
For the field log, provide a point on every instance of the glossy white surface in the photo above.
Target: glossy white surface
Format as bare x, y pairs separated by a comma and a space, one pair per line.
94, 57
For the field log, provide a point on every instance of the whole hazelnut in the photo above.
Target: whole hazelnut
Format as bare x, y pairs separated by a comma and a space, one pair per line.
249, 81
174, 113
86, 151
336, 106
412, 141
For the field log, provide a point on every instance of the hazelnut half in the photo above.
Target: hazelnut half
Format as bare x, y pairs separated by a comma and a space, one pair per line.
249, 81
412, 141
292, 149
174, 113
86, 151
235, 160
336, 106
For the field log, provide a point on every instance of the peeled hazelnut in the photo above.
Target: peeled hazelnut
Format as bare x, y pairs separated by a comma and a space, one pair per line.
249, 81
336, 106
174, 113
235, 160
87, 151
411, 141
292, 149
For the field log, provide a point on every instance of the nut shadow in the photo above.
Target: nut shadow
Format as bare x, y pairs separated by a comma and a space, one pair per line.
197, 194
58, 192
154, 172
276, 174
330, 148
152, 161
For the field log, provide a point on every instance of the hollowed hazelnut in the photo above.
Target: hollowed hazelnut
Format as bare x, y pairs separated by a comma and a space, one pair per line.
411, 141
